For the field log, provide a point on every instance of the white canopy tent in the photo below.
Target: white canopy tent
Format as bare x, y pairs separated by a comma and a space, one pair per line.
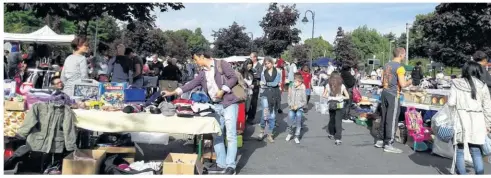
43, 35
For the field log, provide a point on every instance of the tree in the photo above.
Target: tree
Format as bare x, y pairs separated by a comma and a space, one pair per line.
418, 46
82, 13
195, 40
278, 26
345, 50
143, 39
176, 46
456, 31
320, 47
21, 22
231, 41
369, 42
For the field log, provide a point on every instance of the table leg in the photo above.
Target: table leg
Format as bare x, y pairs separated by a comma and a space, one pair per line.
200, 146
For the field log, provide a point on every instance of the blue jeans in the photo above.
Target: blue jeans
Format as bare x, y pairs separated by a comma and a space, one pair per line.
476, 159
269, 116
227, 118
295, 121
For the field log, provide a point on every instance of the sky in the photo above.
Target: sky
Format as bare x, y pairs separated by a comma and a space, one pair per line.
386, 17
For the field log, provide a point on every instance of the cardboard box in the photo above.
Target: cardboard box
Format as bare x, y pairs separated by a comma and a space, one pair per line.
83, 167
15, 106
182, 164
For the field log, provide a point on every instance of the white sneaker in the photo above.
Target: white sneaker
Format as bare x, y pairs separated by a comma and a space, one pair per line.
297, 141
288, 137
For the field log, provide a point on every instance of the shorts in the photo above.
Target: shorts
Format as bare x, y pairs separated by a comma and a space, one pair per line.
308, 91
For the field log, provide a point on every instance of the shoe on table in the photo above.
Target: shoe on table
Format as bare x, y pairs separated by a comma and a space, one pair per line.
288, 137
270, 138
214, 169
379, 144
392, 149
297, 141
229, 171
338, 142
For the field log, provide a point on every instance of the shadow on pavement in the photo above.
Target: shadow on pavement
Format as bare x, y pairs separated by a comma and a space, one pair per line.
442, 165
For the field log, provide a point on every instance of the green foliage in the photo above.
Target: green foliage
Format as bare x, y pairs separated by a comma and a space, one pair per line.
369, 43
345, 50
320, 47
21, 22
456, 30
82, 13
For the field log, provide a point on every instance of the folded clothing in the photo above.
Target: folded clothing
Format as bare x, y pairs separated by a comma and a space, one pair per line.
167, 109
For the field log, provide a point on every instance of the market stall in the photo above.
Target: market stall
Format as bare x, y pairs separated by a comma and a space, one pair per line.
43, 35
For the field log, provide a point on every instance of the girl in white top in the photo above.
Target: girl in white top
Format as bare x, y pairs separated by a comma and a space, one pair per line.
335, 91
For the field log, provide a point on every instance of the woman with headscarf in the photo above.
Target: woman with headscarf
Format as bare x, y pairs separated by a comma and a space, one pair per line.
75, 67
119, 67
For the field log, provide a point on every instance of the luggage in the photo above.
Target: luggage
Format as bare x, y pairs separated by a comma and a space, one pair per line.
86, 89
241, 118
134, 95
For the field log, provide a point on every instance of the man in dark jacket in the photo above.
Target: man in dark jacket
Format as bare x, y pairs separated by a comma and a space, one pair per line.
349, 82
481, 58
171, 71
417, 74
257, 69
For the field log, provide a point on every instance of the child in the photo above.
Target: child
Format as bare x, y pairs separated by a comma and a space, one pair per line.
297, 99
336, 93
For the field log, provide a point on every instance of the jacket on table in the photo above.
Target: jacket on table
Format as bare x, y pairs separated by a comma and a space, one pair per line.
49, 128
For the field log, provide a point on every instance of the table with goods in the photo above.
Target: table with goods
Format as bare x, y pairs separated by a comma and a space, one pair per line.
112, 120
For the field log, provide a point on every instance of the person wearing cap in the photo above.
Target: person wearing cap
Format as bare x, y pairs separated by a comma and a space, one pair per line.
218, 86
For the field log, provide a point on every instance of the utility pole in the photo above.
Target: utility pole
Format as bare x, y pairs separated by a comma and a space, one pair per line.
407, 43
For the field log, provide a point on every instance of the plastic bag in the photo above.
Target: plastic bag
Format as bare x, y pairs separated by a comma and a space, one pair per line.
443, 124
486, 148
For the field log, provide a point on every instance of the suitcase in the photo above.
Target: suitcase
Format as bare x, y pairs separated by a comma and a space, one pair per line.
134, 95
86, 89
241, 118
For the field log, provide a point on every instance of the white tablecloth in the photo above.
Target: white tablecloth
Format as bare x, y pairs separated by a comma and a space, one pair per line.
371, 82
103, 121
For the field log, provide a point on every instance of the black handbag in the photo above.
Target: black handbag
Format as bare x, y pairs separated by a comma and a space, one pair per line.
335, 105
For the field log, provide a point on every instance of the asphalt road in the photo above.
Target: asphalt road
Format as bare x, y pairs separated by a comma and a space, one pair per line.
316, 154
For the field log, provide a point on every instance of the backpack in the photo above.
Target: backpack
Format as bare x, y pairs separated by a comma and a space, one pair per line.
239, 89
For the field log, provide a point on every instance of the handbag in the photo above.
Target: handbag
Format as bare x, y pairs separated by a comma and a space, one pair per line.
239, 89
486, 148
335, 105
356, 95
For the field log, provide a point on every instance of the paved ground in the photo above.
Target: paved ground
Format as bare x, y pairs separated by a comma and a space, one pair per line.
316, 154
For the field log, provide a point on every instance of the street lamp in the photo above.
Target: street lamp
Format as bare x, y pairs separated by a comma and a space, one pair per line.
407, 42
305, 21
252, 39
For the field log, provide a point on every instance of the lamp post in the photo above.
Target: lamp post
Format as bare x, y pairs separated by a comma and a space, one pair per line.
407, 43
390, 49
252, 39
305, 21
